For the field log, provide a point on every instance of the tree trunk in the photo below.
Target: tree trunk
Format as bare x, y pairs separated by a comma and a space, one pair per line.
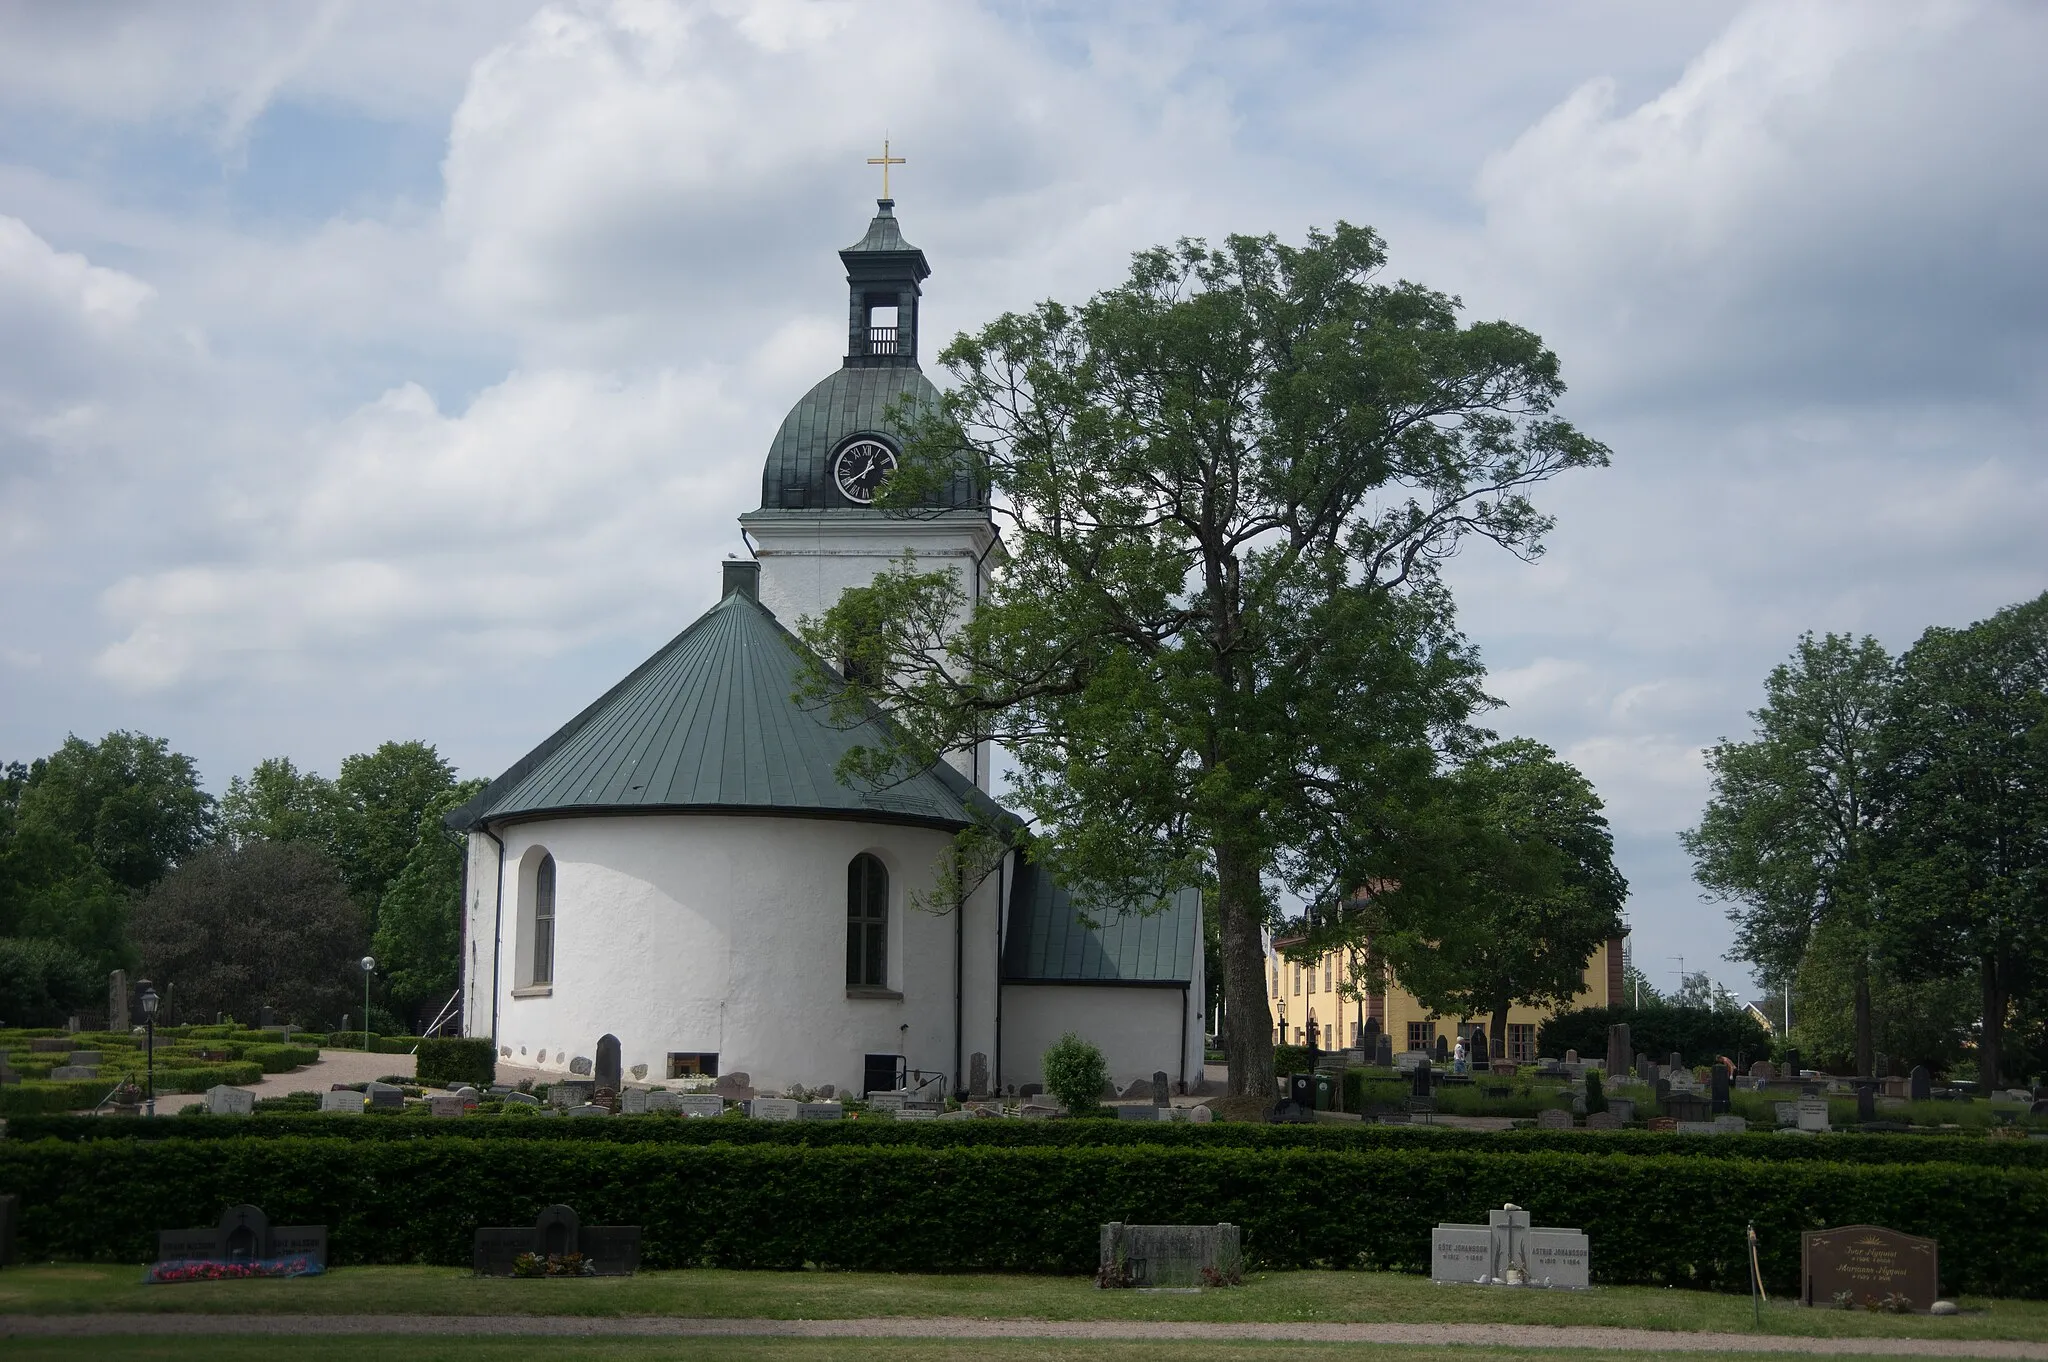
1247, 1021
1991, 1046
1497, 1032
1866, 1049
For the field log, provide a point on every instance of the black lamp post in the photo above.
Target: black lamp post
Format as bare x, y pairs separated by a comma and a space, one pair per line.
149, 1001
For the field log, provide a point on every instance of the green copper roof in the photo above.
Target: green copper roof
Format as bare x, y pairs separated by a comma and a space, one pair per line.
707, 725
846, 403
1047, 942
884, 235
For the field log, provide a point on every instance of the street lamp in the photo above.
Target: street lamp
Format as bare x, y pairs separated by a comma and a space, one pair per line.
149, 1001
369, 966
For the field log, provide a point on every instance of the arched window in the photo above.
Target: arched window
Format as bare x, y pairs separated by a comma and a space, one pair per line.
544, 922
867, 923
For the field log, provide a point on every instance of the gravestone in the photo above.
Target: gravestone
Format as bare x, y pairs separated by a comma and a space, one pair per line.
1728, 1123
700, 1104
10, 1214
1880, 1066
119, 1014
1571, 1056
1618, 1050
571, 1092
244, 1234
1461, 1253
49, 1045
87, 1059
1443, 1050
1676, 1061
606, 1072
521, 1099
633, 1102
614, 1250
1162, 1096
1383, 1051
1603, 1120
1503, 1068
1792, 1068
1027, 1091
222, 1100
1920, 1084
342, 1102
1170, 1255
445, 1106
1870, 1264
977, 1075
1508, 1250
1788, 1113
1481, 1056
820, 1111
887, 1101
1762, 1069
774, 1109
1642, 1069
1662, 1125
588, 1109
1662, 1090
1813, 1113
1145, 1113
384, 1096
1688, 1106
74, 1071
1623, 1109
1720, 1089
1553, 1118
1420, 1083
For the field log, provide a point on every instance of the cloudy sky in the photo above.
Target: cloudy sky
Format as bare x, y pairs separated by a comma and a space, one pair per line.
377, 370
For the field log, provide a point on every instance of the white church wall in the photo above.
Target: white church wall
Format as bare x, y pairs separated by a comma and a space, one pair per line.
479, 932
1139, 1030
724, 934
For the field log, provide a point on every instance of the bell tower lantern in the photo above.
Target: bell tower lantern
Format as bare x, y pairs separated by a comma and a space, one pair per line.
883, 274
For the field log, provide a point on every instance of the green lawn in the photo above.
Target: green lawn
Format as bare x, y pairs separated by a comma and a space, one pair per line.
1276, 1296
428, 1349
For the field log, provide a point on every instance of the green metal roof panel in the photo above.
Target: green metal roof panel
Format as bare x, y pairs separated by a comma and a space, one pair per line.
1047, 942
709, 723
847, 402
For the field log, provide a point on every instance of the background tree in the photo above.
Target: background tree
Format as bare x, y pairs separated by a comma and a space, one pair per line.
1929, 1019
42, 982
1969, 772
1218, 650
419, 924
1636, 988
280, 803
1530, 895
271, 924
379, 798
1791, 834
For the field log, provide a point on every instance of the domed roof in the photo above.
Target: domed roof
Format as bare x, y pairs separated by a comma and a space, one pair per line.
846, 403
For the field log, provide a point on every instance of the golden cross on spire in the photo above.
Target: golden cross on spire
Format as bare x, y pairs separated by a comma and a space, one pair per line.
885, 160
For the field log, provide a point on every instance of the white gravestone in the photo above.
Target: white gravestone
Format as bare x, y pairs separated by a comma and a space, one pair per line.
347, 1102
917, 1114
633, 1102
1508, 1250
1461, 1253
1813, 1113
223, 1100
700, 1104
886, 1101
820, 1111
774, 1109
1558, 1258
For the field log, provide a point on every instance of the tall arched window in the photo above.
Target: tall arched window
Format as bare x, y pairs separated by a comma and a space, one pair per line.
544, 922
867, 923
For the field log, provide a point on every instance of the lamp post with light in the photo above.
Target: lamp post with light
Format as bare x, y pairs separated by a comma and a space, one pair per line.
149, 1002
369, 967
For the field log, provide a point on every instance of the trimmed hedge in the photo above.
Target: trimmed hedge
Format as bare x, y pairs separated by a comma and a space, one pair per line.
1846, 1148
1696, 1033
380, 1045
1669, 1221
445, 1061
33, 1100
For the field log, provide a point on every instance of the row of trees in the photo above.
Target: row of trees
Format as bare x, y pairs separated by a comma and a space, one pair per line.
1882, 838
113, 856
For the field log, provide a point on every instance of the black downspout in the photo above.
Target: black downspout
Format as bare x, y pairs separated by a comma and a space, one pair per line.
959, 974
497, 928
1002, 920
1186, 995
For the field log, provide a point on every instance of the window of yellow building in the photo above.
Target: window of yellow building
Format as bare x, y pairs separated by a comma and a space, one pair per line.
1297, 981
1422, 1035
1522, 1042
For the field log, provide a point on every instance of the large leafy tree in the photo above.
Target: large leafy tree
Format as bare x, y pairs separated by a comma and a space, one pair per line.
1792, 834
1969, 772
379, 799
419, 923
235, 929
280, 803
1218, 649
1529, 892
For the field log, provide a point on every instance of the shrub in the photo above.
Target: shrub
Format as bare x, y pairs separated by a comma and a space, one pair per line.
44, 981
446, 1061
910, 1208
1075, 1072
1290, 1059
1697, 1033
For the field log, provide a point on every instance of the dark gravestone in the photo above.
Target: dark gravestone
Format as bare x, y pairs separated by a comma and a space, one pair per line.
1880, 1066
1642, 1066
1443, 1050
1383, 1051
1688, 1106
614, 1250
1663, 1091
266, 1016
1720, 1089
1421, 1080
1863, 1265
1792, 1066
1920, 1084
1169, 1255
1162, 1095
244, 1234
118, 1012
1481, 1055
1618, 1050
1372, 1031
1676, 1061
606, 1072
977, 1075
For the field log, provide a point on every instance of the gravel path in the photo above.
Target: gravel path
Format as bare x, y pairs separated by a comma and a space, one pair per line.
333, 1066
643, 1326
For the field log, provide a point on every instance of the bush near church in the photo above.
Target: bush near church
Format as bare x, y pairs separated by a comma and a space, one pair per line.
1075, 1072
449, 1061
1697, 1033
909, 1208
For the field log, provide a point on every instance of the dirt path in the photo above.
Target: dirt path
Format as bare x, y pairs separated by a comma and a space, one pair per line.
557, 1326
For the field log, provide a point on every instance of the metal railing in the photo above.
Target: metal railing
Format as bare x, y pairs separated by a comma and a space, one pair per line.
881, 340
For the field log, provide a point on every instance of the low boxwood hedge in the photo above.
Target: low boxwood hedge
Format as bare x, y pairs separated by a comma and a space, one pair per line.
1673, 1220
1970, 1150
445, 1061
31, 1100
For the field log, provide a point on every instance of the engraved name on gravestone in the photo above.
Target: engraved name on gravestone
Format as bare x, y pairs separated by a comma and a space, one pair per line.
774, 1109
222, 1100
342, 1102
1558, 1258
1870, 1263
700, 1104
1169, 1255
1813, 1113
1461, 1253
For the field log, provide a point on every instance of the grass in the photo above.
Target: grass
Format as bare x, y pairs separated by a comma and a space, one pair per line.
416, 1348
1278, 1297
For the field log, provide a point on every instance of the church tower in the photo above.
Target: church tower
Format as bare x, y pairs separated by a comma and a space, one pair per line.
817, 531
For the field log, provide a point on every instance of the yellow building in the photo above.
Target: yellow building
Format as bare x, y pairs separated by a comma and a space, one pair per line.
1320, 992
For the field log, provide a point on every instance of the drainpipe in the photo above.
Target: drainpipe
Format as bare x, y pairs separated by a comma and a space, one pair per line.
959, 976
497, 928
1002, 920
1186, 995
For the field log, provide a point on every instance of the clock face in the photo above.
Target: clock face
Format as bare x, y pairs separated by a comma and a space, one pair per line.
859, 468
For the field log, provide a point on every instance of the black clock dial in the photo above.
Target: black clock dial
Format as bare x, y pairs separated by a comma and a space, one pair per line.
860, 467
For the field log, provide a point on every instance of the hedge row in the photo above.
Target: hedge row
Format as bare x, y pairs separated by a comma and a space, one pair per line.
32, 1100
1970, 1150
1655, 1221
381, 1045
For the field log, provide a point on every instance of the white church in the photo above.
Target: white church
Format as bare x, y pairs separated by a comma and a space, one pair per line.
677, 881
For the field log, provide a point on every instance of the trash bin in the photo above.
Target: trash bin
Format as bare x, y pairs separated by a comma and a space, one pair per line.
1326, 1092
